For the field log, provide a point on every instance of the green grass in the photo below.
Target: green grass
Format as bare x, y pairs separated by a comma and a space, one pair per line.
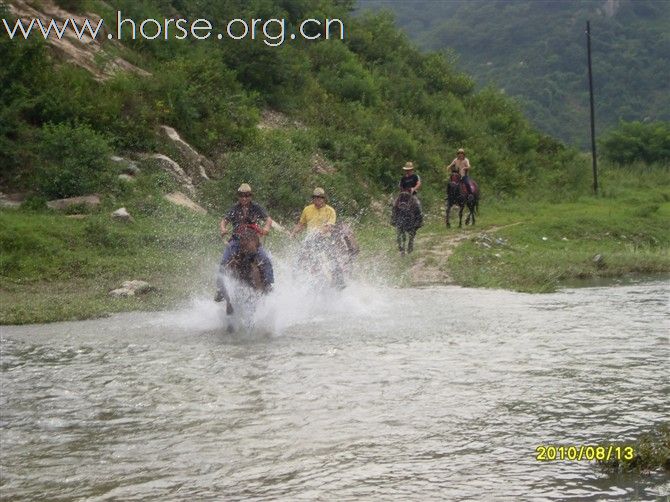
651, 452
544, 245
56, 268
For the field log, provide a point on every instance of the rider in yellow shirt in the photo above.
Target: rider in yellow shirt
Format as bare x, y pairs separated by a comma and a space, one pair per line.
318, 216
319, 220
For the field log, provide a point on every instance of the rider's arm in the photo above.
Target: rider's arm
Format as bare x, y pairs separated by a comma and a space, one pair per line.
332, 216
302, 223
466, 166
297, 229
223, 227
418, 183
268, 225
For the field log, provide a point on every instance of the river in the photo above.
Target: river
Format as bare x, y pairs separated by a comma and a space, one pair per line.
374, 393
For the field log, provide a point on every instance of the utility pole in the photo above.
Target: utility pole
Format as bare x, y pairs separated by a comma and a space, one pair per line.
593, 124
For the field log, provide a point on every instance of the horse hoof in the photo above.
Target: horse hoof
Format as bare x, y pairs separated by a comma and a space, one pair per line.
229, 310
230, 329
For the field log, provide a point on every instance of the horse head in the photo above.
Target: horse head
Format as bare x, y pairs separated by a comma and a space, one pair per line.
249, 240
404, 200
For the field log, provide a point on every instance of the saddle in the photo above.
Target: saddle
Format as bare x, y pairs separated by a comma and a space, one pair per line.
455, 181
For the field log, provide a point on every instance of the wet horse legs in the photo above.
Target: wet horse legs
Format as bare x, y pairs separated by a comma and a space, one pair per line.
221, 291
410, 243
401, 238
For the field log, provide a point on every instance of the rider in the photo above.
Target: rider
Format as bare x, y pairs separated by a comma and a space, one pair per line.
318, 216
246, 212
410, 182
461, 165
319, 220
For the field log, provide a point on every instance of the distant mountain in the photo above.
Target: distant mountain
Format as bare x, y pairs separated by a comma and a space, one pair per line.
536, 51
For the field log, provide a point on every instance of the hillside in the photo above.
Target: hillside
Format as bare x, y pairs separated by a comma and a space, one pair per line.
350, 112
536, 52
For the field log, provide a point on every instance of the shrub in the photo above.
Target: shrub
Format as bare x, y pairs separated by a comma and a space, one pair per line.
74, 161
637, 141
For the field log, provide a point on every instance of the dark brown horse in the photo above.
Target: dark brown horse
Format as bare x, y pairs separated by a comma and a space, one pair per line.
244, 265
406, 217
457, 195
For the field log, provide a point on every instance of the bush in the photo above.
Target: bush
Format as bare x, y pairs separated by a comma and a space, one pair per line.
277, 171
637, 141
74, 161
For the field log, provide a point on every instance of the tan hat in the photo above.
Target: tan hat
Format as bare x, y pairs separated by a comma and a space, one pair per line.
319, 192
409, 166
460, 150
244, 188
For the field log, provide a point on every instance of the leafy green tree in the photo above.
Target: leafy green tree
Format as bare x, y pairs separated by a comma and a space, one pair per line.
74, 161
638, 141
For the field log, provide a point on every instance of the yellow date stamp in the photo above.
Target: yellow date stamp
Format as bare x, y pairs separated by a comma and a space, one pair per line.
577, 453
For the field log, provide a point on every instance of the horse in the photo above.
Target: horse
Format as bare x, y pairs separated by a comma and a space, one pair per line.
457, 194
244, 267
329, 256
407, 219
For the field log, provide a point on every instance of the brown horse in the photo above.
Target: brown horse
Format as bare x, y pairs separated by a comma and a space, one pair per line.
457, 194
244, 265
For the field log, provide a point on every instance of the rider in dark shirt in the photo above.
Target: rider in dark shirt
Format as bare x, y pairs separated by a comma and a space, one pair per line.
410, 182
246, 212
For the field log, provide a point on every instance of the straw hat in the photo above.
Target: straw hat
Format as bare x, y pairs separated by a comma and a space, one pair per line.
409, 166
460, 150
244, 188
319, 192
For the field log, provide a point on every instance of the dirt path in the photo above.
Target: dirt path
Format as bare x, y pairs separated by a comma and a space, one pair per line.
434, 249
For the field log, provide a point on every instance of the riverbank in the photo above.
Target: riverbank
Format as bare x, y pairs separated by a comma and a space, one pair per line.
58, 268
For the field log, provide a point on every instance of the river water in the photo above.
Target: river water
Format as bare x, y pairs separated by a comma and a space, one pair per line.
374, 393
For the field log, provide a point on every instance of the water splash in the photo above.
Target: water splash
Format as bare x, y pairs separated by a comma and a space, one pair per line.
297, 298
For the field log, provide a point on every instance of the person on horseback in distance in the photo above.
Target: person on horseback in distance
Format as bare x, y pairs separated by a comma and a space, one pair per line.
319, 219
246, 212
461, 165
410, 182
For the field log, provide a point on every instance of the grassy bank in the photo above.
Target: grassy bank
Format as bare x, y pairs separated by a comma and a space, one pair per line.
537, 246
650, 452
54, 268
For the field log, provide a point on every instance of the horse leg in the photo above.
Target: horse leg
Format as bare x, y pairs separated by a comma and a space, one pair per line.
399, 236
460, 216
221, 291
448, 211
224, 294
410, 244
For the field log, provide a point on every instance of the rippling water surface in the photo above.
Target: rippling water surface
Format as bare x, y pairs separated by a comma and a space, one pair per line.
407, 394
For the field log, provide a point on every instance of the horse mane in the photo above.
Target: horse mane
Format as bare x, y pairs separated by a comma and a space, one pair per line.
249, 236
404, 197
